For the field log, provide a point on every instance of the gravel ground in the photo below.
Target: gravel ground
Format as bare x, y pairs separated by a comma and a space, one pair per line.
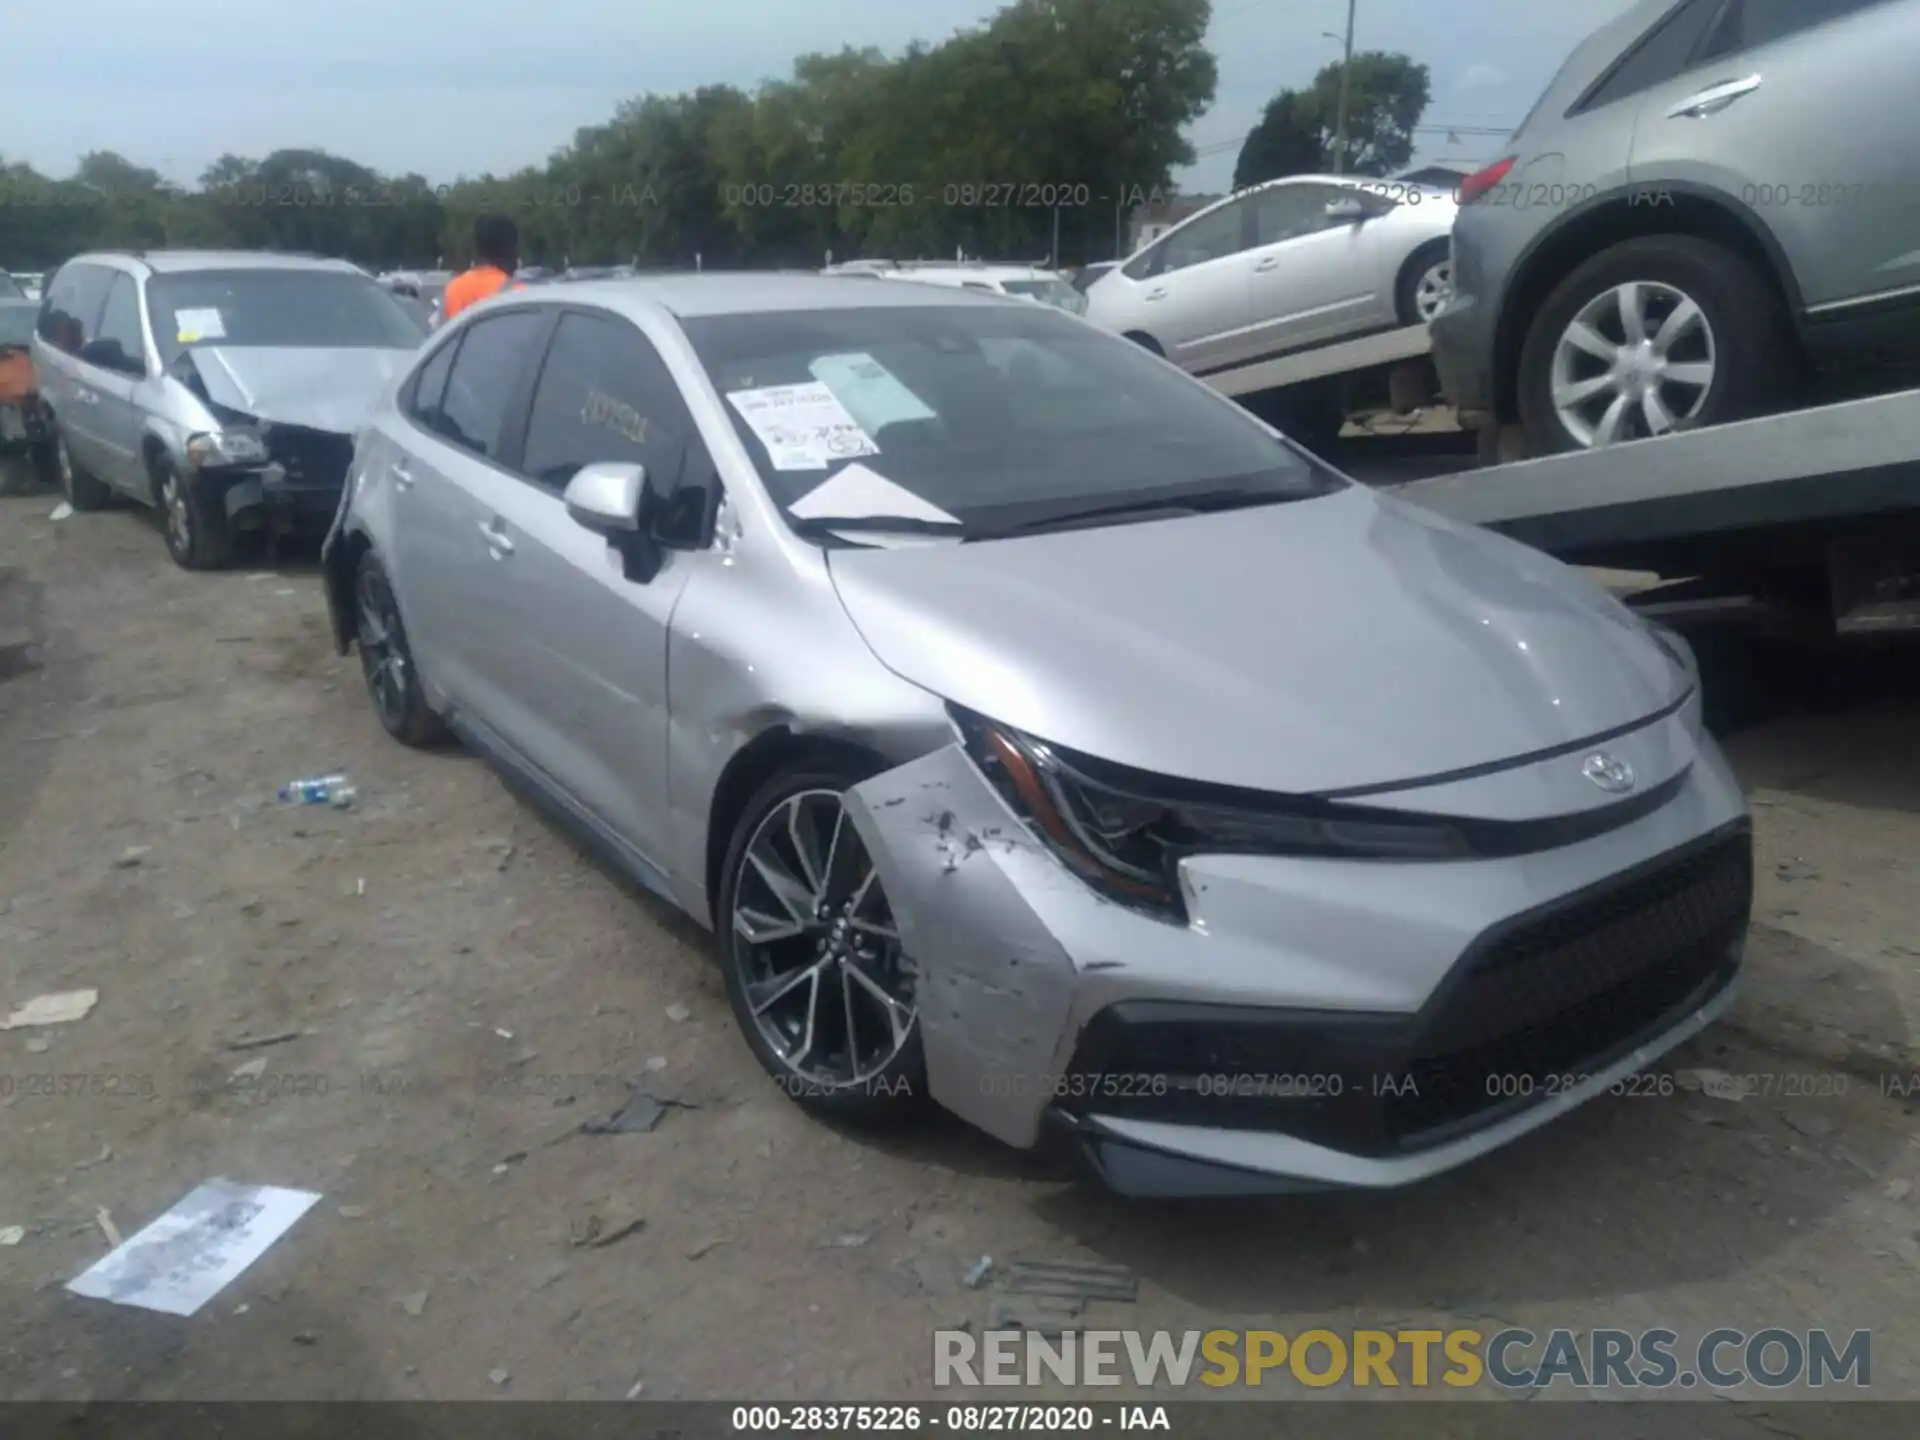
462, 987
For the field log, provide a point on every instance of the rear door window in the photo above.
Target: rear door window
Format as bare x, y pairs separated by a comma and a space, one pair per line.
71, 314
422, 402
1211, 237
120, 321
485, 381
1669, 49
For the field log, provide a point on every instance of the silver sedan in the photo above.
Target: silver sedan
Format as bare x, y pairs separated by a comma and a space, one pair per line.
1040, 733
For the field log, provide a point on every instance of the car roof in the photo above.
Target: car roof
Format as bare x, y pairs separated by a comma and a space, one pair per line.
703, 294
174, 262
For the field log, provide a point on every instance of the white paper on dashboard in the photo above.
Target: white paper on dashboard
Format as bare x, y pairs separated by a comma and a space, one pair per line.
804, 427
204, 324
857, 493
871, 391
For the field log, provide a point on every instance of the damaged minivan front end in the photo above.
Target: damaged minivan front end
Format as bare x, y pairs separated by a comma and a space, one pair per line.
278, 438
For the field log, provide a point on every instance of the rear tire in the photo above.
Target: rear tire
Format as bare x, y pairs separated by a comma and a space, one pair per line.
1425, 283
1737, 353
194, 523
83, 492
881, 1077
386, 660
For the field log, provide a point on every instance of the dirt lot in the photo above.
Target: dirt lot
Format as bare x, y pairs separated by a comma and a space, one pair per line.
465, 988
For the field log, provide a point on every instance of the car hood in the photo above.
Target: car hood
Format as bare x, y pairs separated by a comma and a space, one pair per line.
1340, 642
320, 388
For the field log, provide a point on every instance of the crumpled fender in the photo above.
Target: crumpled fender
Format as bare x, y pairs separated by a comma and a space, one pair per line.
995, 988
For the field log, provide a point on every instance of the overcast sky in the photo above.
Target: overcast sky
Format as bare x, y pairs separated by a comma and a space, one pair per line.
397, 87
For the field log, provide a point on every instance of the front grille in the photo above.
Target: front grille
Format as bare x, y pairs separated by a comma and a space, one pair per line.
310, 457
1542, 999
1547, 997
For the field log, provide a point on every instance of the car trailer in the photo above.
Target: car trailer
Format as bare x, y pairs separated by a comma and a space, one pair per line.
1310, 392
1806, 524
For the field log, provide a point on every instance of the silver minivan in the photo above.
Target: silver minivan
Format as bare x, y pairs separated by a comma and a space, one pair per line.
1712, 197
222, 388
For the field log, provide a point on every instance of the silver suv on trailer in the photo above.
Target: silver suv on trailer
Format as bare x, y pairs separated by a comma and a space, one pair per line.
222, 388
1711, 196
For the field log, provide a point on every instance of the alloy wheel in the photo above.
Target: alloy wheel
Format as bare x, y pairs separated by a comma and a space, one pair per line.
1636, 361
382, 655
1433, 292
179, 516
818, 953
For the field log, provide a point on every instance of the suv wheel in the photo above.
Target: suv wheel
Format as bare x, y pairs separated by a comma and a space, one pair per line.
195, 524
83, 492
386, 660
815, 972
1653, 335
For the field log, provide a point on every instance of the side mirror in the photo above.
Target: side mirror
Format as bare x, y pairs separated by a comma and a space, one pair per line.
606, 497
1347, 210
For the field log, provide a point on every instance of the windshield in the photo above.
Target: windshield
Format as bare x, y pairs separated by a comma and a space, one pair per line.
994, 417
1057, 293
295, 308
16, 324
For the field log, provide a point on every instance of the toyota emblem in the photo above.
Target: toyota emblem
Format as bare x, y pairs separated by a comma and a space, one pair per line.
1611, 775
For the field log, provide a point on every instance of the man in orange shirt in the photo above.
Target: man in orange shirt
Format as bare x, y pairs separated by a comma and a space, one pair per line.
496, 255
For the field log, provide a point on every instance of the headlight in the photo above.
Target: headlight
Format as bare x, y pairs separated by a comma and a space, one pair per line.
1124, 831
226, 447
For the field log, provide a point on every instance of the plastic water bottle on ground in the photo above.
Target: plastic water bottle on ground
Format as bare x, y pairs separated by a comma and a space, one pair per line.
320, 790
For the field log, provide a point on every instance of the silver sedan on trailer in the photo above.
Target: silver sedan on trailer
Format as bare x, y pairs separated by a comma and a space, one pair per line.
1040, 732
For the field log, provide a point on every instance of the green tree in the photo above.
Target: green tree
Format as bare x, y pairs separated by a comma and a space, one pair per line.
1285, 142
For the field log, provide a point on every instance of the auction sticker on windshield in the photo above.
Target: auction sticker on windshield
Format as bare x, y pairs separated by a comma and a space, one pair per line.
804, 427
196, 325
869, 390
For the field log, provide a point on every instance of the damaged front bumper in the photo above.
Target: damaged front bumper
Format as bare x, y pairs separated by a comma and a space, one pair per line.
277, 496
1318, 1023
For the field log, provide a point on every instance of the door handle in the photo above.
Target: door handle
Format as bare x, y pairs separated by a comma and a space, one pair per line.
1713, 99
402, 476
495, 534
1158, 294
1267, 264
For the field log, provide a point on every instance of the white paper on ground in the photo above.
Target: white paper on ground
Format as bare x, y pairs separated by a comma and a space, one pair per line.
804, 427
61, 1009
191, 1253
870, 390
194, 325
857, 493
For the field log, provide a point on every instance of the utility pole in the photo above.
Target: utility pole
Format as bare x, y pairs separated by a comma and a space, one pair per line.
1346, 86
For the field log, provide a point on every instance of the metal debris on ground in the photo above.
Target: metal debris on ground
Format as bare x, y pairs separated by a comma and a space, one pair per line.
853, 1240
192, 1252
641, 1115
252, 1070
261, 1042
61, 511
414, 1304
499, 1377
609, 1222
12, 1234
1717, 1084
1043, 1315
62, 1008
1073, 1280
978, 1272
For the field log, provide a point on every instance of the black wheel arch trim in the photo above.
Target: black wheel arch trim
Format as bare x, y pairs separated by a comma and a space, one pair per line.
1509, 337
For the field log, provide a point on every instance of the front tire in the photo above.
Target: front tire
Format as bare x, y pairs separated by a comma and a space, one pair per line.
82, 490
815, 972
195, 524
386, 660
1653, 335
